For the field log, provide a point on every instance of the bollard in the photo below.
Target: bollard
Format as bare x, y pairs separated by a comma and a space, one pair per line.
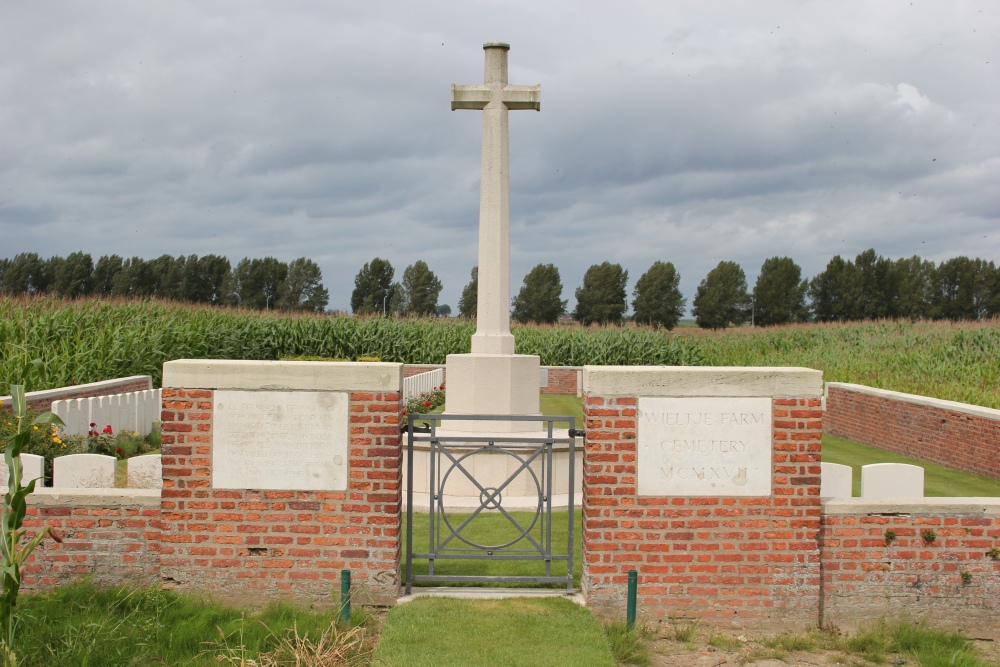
345, 597
630, 609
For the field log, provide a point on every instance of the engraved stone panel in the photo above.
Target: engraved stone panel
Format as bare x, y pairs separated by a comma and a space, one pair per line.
295, 440
704, 447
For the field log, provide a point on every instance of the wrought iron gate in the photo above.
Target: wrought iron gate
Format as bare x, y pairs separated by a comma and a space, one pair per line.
448, 459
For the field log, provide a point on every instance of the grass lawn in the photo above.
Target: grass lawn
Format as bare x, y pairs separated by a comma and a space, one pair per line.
938, 480
85, 625
547, 632
491, 527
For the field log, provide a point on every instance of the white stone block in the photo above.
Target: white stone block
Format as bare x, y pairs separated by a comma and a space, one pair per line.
145, 472
836, 480
280, 440
892, 480
704, 447
83, 471
492, 384
32, 467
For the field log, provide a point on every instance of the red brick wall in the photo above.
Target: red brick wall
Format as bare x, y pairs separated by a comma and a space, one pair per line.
41, 401
947, 435
562, 379
246, 544
739, 561
864, 578
111, 537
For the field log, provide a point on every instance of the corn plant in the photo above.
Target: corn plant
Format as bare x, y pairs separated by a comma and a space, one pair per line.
12, 556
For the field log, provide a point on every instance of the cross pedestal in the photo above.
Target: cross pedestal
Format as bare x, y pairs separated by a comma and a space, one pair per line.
492, 379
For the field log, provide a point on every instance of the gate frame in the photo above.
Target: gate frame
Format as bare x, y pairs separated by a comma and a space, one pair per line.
533, 447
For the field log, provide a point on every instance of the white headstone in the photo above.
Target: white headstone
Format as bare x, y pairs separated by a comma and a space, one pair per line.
145, 472
32, 467
892, 480
836, 480
84, 471
704, 447
295, 440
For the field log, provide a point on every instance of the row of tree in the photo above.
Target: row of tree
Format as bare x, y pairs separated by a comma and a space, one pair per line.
253, 283
870, 287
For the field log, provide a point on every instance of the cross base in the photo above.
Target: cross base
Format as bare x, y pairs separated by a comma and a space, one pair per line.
492, 384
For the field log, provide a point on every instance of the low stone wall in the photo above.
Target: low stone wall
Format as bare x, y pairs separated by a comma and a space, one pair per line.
111, 536
561, 379
41, 401
956, 435
940, 562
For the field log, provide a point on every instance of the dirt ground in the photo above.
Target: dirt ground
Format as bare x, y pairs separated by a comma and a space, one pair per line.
740, 649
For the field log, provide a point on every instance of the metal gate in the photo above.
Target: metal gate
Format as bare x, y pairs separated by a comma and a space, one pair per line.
448, 461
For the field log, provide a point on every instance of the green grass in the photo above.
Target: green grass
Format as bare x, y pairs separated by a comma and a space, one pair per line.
491, 527
84, 625
939, 481
563, 405
548, 632
924, 645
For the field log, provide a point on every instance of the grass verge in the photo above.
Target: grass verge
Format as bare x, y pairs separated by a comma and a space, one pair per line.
515, 632
81, 624
491, 527
939, 481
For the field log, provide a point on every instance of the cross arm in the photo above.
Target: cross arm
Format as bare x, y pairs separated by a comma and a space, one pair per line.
478, 96
522, 97
470, 97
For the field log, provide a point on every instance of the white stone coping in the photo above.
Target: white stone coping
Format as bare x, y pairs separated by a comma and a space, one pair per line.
695, 381
954, 406
102, 388
282, 375
985, 506
54, 497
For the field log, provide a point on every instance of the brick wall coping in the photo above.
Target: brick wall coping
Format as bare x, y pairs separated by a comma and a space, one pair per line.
282, 375
431, 367
48, 497
102, 388
918, 506
691, 381
966, 408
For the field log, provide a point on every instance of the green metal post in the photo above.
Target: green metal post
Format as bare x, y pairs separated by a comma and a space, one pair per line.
630, 609
345, 597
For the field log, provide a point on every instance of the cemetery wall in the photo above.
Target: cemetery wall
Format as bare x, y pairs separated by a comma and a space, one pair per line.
561, 379
110, 536
41, 401
278, 536
880, 560
956, 435
739, 558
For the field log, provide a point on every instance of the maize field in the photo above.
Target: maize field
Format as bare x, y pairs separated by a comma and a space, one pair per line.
89, 340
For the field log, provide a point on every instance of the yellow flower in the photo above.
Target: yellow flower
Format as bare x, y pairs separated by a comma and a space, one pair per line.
35, 427
56, 440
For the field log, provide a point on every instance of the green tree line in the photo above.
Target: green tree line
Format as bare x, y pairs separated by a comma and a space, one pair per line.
262, 284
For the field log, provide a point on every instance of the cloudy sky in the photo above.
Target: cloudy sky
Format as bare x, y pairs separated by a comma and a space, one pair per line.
675, 131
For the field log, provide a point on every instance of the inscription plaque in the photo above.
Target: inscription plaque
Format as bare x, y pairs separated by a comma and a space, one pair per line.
704, 447
294, 440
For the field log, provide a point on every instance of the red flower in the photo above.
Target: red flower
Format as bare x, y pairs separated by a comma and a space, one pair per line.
93, 424
422, 395
404, 411
107, 429
427, 404
118, 451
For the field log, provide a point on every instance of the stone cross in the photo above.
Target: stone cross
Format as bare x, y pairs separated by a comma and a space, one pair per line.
494, 97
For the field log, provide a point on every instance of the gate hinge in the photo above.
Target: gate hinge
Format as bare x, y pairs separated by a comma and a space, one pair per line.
426, 428
577, 433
